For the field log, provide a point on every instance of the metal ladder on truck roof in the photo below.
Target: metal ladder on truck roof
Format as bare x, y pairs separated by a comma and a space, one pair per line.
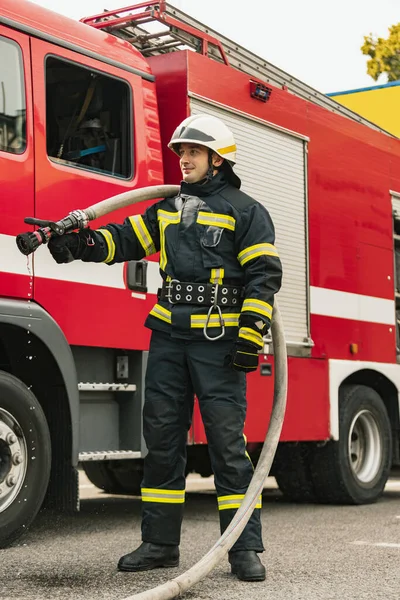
182, 32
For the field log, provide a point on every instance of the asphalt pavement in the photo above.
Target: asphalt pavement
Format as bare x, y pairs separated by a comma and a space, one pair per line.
312, 552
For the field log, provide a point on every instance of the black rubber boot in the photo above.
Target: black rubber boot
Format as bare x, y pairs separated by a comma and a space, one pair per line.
247, 565
149, 556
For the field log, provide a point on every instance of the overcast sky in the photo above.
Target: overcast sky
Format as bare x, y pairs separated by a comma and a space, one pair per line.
315, 41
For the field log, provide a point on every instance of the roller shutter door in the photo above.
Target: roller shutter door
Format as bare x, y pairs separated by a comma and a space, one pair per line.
272, 165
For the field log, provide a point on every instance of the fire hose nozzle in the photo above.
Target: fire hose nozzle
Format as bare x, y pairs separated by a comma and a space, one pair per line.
29, 242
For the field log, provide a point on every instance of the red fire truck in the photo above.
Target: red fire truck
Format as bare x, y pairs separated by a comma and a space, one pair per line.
87, 109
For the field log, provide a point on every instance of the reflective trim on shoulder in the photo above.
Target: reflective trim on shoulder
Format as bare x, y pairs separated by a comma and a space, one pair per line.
234, 501
171, 217
224, 221
142, 234
246, 333
161, 313
110, 244
257, 250
230, 320
162, 495
257, 306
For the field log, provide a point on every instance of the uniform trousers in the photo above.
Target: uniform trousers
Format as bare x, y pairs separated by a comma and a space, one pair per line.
176, 370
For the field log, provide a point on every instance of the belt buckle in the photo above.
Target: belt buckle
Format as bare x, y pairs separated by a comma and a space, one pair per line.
170, 287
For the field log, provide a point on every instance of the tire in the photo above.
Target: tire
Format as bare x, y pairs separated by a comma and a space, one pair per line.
355, 469
292, 472
116, 477
25, 458
100, 474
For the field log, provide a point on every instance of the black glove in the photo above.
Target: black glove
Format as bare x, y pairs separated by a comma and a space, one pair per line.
70, 246
243, 357
244, 354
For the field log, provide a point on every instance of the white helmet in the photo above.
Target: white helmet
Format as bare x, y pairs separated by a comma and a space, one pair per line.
207, 131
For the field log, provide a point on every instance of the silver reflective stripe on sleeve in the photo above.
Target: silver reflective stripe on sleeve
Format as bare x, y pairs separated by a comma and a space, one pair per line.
142, 234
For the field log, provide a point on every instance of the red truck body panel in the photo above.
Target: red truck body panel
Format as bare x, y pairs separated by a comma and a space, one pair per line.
351, 169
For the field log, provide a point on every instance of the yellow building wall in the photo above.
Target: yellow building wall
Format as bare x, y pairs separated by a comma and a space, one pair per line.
379, 105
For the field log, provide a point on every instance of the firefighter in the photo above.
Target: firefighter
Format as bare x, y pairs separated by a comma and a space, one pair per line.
220, 271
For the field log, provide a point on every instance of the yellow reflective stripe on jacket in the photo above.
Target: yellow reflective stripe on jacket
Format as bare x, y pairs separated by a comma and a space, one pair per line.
217, 275
165, 218
254, 251
230, 320
171, 217
257, 306
110, 244
246, 333
163, 254
142, 234
234, 501
166, 496
161, 313
224, 221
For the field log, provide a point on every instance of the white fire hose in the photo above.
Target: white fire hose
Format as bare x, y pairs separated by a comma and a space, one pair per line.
176, 587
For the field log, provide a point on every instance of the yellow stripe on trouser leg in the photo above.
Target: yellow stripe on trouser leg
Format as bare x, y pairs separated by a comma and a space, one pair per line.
163, 496
234, 501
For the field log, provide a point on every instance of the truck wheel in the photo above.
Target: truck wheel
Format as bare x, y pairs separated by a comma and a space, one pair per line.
102, 476
292, 472
25, 458
116, 477
355, 469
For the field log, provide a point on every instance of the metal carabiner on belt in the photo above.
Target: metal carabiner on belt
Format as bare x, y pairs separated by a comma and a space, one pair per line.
213, 306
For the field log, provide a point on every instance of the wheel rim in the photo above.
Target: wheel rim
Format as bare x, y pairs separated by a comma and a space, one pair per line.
365, 447
13, 459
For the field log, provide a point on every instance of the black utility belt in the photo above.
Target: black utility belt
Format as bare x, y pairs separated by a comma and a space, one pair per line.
207, 294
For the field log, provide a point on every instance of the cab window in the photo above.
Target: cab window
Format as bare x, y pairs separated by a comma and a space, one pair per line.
88, 119
12, 98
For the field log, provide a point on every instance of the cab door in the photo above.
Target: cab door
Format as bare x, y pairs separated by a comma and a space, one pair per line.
16, 160
86, 113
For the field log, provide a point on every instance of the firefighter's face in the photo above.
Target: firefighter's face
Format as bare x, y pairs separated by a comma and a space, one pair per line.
194, 162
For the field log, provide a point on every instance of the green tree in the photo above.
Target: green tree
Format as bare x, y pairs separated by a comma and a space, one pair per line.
384, 53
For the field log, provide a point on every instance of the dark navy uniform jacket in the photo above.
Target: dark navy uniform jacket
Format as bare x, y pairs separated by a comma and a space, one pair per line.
208, 233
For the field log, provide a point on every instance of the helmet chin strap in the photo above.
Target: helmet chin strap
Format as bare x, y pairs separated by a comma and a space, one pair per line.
210, 171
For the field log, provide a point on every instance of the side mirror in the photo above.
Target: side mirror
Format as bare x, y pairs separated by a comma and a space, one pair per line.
136, 276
